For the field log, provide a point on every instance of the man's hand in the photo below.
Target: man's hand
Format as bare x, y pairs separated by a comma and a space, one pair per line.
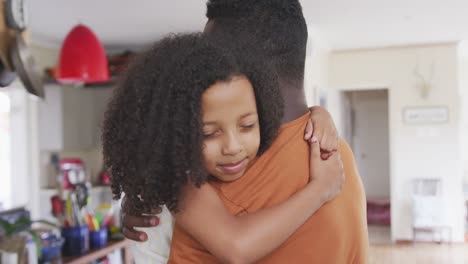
129, 222
321, 125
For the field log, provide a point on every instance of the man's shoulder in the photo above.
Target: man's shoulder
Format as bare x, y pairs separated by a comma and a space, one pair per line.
353, 183
347, 155
344, 147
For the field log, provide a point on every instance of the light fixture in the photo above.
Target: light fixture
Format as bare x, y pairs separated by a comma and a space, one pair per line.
82, 58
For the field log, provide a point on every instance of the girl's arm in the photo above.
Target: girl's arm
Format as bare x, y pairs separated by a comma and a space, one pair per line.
320, 125
246, 239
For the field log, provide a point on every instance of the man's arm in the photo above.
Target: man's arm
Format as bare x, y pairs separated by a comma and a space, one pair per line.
129, 222
156, 249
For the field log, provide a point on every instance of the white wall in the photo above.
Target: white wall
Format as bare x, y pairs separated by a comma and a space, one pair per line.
44, 57
463, 87
25, 154
415, 151
316, 68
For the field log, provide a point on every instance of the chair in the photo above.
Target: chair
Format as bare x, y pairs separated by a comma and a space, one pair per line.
428, 206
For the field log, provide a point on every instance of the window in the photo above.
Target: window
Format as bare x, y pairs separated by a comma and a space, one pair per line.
5, 150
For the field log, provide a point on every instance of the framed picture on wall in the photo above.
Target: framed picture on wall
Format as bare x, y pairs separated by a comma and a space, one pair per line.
415, 115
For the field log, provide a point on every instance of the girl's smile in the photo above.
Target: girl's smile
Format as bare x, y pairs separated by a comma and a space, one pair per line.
233, 168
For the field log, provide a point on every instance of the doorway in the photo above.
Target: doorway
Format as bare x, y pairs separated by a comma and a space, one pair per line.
366, 118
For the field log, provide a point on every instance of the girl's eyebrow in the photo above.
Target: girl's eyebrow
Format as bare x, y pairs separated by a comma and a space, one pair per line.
248, 114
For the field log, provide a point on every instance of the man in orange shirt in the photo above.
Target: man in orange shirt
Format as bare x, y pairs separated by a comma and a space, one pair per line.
337, 233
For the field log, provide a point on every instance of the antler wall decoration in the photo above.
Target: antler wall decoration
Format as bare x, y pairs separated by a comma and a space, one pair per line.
424, 84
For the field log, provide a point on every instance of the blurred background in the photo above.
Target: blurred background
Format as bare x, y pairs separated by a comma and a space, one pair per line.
393, 74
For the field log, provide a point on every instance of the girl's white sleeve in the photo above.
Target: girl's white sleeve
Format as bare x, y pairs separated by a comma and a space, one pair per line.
157, 248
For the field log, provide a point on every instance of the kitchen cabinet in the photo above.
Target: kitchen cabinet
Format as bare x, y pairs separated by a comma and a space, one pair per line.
70, 117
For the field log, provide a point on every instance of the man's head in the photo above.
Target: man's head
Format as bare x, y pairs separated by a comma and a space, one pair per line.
275, 29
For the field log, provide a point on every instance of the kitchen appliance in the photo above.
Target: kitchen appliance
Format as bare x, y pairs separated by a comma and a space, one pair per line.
6, 76
72, 173
25, 66
15, 55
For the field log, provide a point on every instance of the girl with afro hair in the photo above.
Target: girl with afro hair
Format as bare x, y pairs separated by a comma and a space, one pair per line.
189, 117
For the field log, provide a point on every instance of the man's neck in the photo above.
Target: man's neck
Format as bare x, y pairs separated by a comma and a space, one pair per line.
295, 104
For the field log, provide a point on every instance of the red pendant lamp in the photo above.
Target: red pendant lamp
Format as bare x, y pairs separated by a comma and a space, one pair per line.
82, 58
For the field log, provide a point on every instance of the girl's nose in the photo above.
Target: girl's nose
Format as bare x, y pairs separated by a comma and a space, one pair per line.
232, 145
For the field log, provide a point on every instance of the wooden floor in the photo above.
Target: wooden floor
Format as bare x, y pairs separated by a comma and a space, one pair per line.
383, 251
419, 253
379, 234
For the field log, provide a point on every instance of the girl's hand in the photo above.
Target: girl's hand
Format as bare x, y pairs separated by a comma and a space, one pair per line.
327, 175
321, 125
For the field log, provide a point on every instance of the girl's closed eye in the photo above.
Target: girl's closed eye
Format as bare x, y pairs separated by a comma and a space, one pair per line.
210, 134
249, 126
249, 122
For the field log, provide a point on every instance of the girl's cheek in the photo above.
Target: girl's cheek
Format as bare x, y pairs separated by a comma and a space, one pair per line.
208, 152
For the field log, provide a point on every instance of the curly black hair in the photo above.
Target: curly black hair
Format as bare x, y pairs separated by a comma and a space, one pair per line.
275, 28
152, 133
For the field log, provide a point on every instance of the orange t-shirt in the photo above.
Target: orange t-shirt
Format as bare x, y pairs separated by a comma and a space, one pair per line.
336, 233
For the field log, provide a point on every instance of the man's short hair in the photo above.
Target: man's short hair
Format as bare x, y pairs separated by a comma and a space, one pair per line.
275, 28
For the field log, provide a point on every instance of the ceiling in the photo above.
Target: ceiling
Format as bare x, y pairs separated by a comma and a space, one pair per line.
342, 24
